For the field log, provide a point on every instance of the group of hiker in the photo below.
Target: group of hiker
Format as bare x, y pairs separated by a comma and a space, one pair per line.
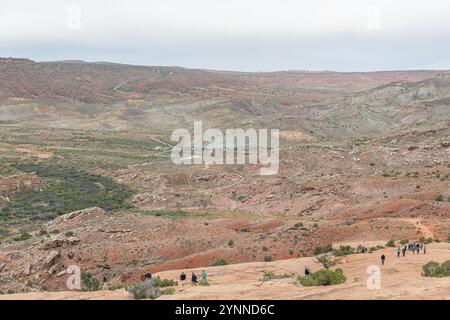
146, 277
194, 278
413, 247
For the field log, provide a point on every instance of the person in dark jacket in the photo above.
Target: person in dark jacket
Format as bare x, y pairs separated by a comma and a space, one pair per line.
182, 278
193, 279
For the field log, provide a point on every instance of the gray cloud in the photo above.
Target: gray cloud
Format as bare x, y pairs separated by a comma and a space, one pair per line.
248, 35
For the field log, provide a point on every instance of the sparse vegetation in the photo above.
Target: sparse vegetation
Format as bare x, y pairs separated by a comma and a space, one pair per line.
268, 258
237, 197
90, 282
140, 291
440, 198
434, 269
4, 232
298, 225
219, 262
390, 243
174, 213
327, 261
426, 240
324, 249
324, 277
168, 291
162, 283
343, 251
230, 243
270, 275
65, 189
23, 237
373, 249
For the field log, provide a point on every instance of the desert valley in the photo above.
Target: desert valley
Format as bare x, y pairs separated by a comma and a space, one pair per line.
86, 179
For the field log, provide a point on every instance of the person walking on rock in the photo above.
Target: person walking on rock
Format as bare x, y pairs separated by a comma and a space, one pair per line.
383, 258
398, 252
193, 279
182, 278
204, 275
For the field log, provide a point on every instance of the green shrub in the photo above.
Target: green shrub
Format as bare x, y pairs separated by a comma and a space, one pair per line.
448, 238
317, 250
3, 232
324, 249
343, 251
378, 247
23, 236
403, 242
446, 267
65, 189
174, 214
271, 276
326, 261
69, 234
440, 198
167, 291
158, 282
433, 269
44, 233
140, 291
268, 258
324, 277
219, 262
230, 243
90, 282
390, 243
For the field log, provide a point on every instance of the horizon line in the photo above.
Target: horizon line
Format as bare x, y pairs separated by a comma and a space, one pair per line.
221, 70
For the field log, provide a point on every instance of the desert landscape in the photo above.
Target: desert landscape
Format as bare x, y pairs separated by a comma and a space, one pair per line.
86, 179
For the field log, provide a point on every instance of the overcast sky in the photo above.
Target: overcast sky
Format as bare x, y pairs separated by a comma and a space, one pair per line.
248, 35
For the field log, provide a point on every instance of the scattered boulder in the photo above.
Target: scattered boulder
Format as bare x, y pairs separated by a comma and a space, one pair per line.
53, 243
72, 241
76, 214
52, 258
59, 241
